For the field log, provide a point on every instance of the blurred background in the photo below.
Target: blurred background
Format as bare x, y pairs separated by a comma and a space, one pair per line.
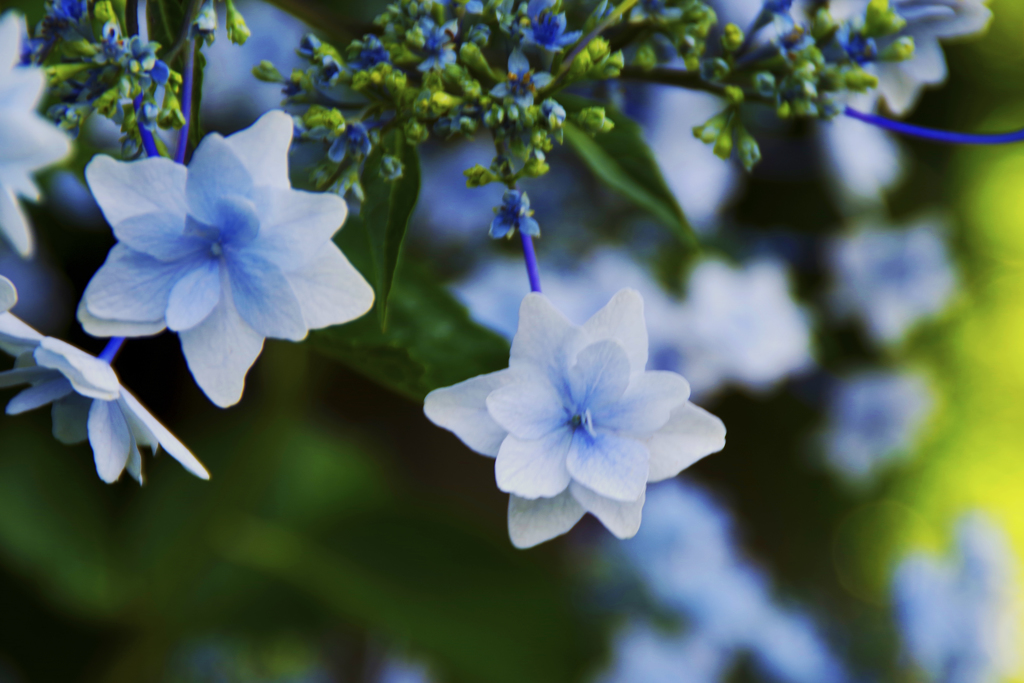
855, 316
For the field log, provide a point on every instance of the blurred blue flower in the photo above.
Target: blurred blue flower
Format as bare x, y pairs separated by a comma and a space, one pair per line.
370, 55
479, 34
205, 23
514, 214
874, 418
860, 49
644, 654
223, 252
687, 555
892, 278
439, 45
575, 423
547, 27
522, 82
656, 9
959, 617
88, 401
353, 144
29, 142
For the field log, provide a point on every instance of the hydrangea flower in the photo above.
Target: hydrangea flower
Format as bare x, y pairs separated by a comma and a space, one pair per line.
547, 27
873, 419
687, 556
522, 83
892, 279
742, 326
8, 295
88, 401
439, 45
514, 214
576, 423
959, 618
223, 252
928, 22
28, 142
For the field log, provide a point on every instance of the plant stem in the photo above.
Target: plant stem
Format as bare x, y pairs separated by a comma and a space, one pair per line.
935, 135
186, 104
182, 39
530, 256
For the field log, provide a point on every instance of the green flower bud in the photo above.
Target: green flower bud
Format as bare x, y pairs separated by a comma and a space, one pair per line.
478, 176
764, 83
881, 20
580, 66
747, 148
734, 94
395, 82
723, 143
494, 117
710, 130
900, 50
646, 57
103, 11
391, 168
859, 80
732, 37
784, 110
536, 165
823, 24
238, 32
266, 71
593, 120
415, 132
598, 48
58, 73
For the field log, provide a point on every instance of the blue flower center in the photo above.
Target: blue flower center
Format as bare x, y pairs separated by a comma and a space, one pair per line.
546, 30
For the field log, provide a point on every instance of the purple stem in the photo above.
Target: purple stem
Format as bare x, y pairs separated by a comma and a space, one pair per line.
531, 261
148, 143
113, 346
111, 350
935, 135
186, 103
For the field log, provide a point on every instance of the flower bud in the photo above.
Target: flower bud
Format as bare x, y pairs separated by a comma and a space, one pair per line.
715, 69
732, 37
416, 132
747, 148
734, 94
478, 176
238, 32
764, 83
593, 120
900, 50
391, 168
266, 71
881, 20
646, 57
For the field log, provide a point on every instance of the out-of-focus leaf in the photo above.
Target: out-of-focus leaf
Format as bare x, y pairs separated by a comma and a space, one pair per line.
430, 340
53, 528
386, 212
164, 19
482, 613
622, 160
195, 128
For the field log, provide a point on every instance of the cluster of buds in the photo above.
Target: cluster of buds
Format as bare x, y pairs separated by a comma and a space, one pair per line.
671, 31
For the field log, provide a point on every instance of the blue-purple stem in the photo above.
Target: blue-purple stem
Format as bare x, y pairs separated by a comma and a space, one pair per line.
936, 135
186, 103
531, 262
113, 346
148, 143
111, 350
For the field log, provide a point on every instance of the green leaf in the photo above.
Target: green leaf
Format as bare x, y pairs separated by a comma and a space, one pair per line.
195, 129
164, 19
430, 340
622, 159
386, 212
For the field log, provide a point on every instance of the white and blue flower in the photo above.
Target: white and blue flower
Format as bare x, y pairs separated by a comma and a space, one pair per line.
547, 27
28, 142
874, 419
439, 44
8, 295
892, 278
960, 617
88, 402
223, 252
523, 82
576, 423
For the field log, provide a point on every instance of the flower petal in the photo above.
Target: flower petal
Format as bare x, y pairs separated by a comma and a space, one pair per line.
16, 337
545, 338
620, 518
534, 521
71, 419
263, 149
219, 352
690, 434
125, 189
194, 296
529, 407
147, 430
296, 225
611, 465
534, 468
98, 327
160, 235
39, 396
264, 297
518, 64
462, 410
330, 290
26, 375
622, 319
600, 375
132, 287
109, 438
134, 464
646, 405
214, 172
88, 375
8, 295
14, 223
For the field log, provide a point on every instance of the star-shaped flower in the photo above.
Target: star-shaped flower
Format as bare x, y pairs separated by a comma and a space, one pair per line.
522, 83
223, 252
439, 44
514, 214
28, 142
88, 401
547, 27
575, 423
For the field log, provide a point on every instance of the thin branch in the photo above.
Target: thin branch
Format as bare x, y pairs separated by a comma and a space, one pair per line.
582, 45
690, 80
186, 25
